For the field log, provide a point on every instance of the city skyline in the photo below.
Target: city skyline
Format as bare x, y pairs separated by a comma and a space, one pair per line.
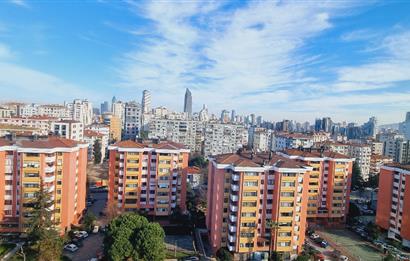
346, 65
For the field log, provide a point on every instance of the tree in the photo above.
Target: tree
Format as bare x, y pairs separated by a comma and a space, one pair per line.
97, 152
89, 220
223, 255
198, 161
373, 230
273, 226
357, 179
111, 210
354, 212
42, 232
373, 181
131, 236
389, 257
303, 257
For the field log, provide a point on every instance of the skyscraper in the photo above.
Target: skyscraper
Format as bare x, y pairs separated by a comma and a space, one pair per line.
188, 102
146, 101
104, 107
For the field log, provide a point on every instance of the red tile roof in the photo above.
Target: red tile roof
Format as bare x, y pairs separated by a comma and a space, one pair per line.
314, 154
193, 170
166, 145
90, 133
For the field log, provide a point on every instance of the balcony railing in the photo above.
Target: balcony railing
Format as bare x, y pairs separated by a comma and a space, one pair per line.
50, 159
50, 169
235, 177
234, 187
234, 198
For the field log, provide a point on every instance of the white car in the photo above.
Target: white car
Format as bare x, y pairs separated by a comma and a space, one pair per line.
95, 229
81, 234
343, 258
71, 247
314, 236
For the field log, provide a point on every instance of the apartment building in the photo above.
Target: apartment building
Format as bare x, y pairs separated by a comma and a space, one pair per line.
362, 154
68, 129
90, 137
260, 139
341, 148
81, 110
286, 140
187, 132
329, 183
376, 147
246, 192
60, 165
376, 162
224, 138
393, 205
148, 176
5, 112
41, 123
132, 120
115, 126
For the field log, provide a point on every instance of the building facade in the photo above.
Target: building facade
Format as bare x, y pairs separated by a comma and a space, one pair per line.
58, 164
393, 204
224, 138
248, 191
68, 129
148, 177
132, 120
329, 184
362, 153
284, 141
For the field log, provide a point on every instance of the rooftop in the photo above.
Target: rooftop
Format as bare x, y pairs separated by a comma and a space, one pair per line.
48, 143
294, 135
170, 145
315, 154
90, 133
398, 166
247, 159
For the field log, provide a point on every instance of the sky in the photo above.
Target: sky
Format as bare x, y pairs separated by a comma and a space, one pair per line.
299, 60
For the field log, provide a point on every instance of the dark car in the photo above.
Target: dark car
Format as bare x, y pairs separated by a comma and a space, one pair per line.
321, 242
76, 242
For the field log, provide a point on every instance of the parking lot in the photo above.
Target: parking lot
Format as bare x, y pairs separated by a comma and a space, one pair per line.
93, 244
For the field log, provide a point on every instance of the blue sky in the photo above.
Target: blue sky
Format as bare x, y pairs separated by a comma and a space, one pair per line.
297, 60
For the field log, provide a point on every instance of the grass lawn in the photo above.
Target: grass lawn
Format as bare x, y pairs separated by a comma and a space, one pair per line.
171, 254
4, 248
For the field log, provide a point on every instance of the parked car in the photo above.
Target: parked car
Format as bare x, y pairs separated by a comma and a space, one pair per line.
343, 258
71, 247
191, 258
81, 234
76, 242
95, 229
321, 242
314, 236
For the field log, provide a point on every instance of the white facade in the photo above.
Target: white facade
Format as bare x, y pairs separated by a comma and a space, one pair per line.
284, 141
223, 138
118, 110
187, 132
81, 110
260, 139
90, 137
42, 124
362, 153
133, 118
68, 129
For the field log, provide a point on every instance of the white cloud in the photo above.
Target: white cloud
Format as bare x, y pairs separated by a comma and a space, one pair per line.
251, 50
21, 3
387, 69
5, 52
25, 84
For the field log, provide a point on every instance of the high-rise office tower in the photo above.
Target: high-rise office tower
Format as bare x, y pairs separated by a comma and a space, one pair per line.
188, 102
104, 107
233, 116
146, 101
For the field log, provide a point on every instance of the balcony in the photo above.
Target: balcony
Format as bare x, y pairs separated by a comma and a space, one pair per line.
233, 208
231, 238
48, 179
232, 228
173, 205
234, 187
231, 248
234, 198
50, 189
235, 177
50, 159
50, 169
233, 218
174, 182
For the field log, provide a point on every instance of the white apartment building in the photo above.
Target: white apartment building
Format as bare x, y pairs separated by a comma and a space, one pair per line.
27, 110
377, 147
90, 137
260, 139
187, 132
81, 110
118, 110
362, 153
5, 112
132, 123
284, 141
337, 147
224, 138
54, 110
41, 123
68, 129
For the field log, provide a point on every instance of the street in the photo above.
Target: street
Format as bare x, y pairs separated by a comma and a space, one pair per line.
93, 244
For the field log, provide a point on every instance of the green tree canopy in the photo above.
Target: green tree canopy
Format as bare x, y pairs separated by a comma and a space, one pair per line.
357, 179
131, 236
223, 255
97, 152
42, 231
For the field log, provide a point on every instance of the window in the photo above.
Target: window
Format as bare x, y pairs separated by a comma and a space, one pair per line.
287, 194
250, 183
250, 194
251, 174
248, 214
248, 224
31, 185
288, 184
249, 204
247, 234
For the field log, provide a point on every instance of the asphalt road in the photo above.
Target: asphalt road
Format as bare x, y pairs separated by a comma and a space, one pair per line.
93, 244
